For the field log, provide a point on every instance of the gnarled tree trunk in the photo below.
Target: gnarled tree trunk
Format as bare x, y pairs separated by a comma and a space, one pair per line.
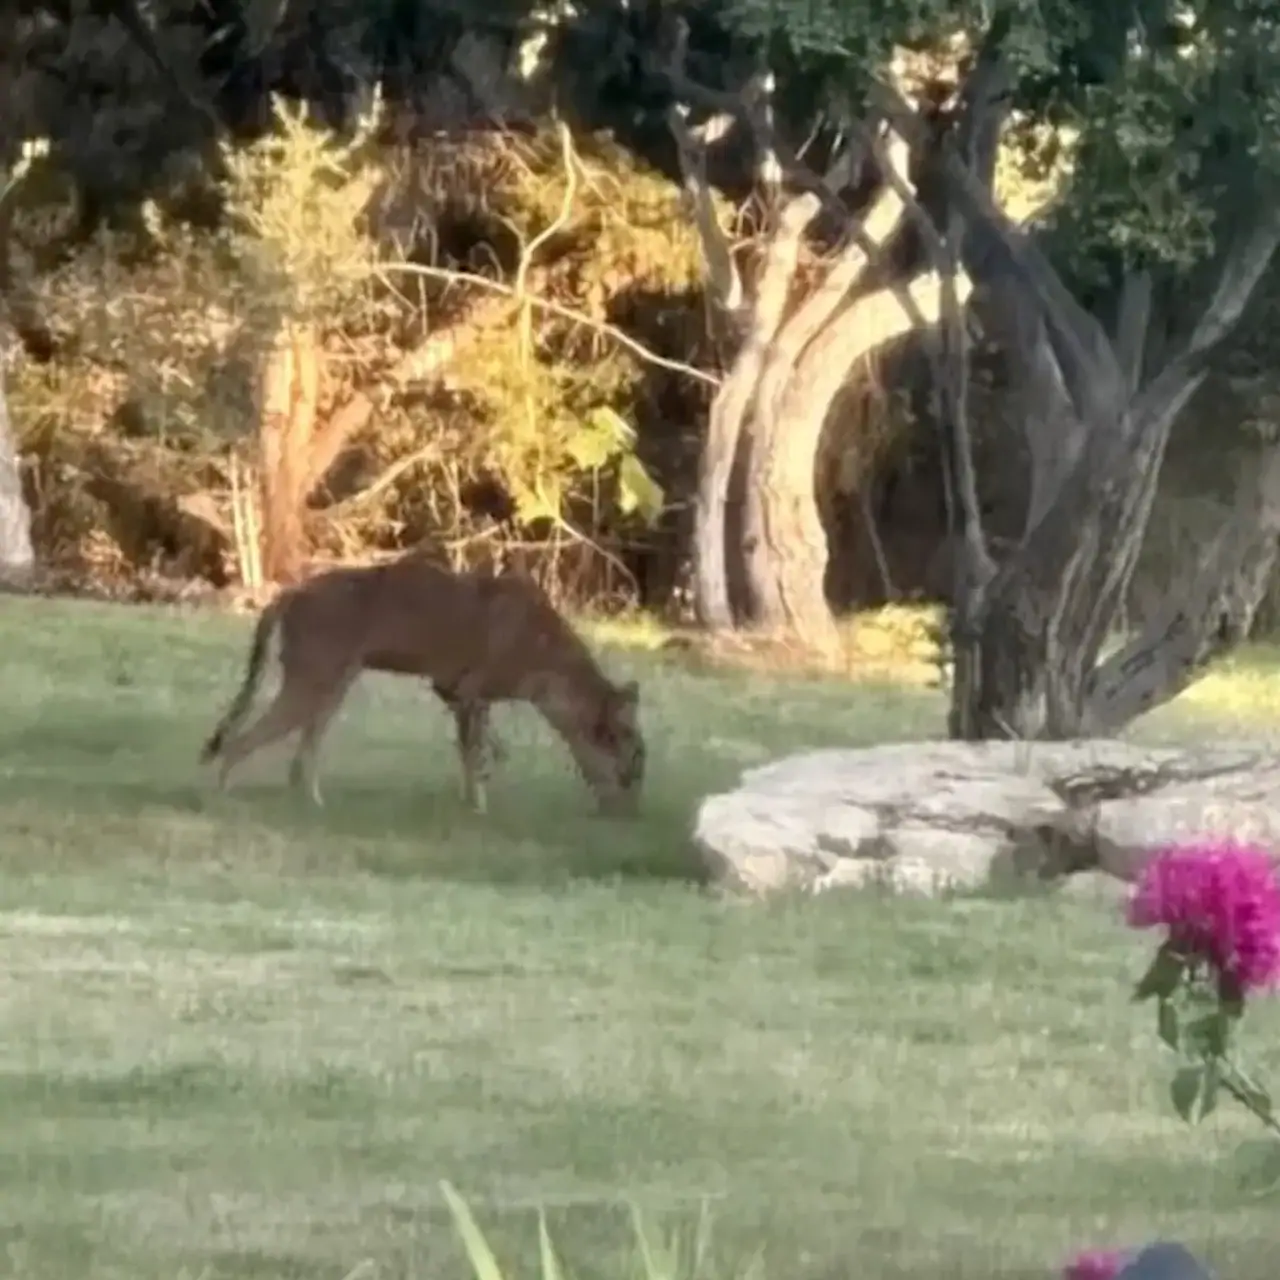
1029, 635
771, 408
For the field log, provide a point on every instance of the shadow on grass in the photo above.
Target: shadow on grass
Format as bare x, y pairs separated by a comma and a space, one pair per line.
376, 827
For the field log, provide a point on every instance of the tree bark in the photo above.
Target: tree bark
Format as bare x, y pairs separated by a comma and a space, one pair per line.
730, 413
291, 385
1028, 635
774, 401
17, 556
297, 451
1213, 614
786, 545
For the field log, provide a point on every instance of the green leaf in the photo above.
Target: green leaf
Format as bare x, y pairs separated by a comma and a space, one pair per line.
638, 491
1230, 997
483, 1263
1207, 1036
608, 422
1165, 975
590, 449
1167, 1024
599, 439
1195, 1091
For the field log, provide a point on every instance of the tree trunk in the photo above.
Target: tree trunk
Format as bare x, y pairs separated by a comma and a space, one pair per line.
1028, 634
297, 451
786, 546
1214, 613
778, 391
1028, 659
290, 389
748, 326
17, 557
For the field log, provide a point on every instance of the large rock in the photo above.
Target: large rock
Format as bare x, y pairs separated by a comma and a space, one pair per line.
929, 816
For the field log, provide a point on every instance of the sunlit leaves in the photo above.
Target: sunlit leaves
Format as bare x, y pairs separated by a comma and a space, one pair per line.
1172, 106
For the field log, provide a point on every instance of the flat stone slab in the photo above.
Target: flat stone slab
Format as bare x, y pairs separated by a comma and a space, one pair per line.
928, 817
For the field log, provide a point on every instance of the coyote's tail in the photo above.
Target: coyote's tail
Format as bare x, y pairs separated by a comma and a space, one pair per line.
243, 700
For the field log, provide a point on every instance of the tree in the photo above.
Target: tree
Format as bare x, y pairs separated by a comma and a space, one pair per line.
17, 557
791, 357
1174, 108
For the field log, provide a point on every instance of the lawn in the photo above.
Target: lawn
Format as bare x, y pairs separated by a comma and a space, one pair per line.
245, 1040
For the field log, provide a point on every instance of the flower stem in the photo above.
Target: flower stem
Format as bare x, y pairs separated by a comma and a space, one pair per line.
1248, 1100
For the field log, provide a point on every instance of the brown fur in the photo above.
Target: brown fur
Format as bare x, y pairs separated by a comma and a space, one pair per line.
478, 640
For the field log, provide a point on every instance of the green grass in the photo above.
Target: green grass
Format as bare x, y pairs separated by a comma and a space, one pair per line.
245, 1040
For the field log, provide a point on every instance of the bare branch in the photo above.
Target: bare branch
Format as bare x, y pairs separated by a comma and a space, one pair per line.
1053, 431
722, 274
1166, 394
637, 349
1089, 366
985, 101
893, 170
799, 176
865, 324
952, 392
426, 360
876, 228
877, 544
780, 265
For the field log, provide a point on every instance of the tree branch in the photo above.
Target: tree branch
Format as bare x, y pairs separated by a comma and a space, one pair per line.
1196, 626
423, 361
1054, 434
722, 274
623, 339
865, 324
875, 229
1133, 318
1090, 371
743, 107
1245, 264
985, 101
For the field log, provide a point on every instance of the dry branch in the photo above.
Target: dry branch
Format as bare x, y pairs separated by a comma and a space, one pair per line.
637, 349
722, 275
421, 363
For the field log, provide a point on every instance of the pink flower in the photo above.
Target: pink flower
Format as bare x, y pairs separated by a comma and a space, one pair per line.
1220, 901
1095, 1264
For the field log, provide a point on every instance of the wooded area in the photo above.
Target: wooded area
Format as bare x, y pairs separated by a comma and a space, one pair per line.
763, 311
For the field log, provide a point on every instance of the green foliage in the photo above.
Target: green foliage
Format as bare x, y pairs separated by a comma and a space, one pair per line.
673, 1256
550, 389
1197, 1017
296, 198
1172, 107
1176, 145
547, 434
